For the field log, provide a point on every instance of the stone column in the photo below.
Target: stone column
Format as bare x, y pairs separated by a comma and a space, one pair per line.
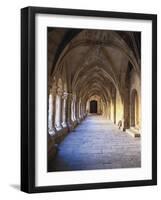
69, 101
83, 111
74, 117
77, 110
88, 107
51, 123
78, 105
58, 109
51, 145
64, 109
74, 108
126, 104
113, 110
80, 113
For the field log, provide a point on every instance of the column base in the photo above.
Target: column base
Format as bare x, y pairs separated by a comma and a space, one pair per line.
74, 124
79, 120
64, 124
134, 132
58, 128
60, 135
69, 125
52, 131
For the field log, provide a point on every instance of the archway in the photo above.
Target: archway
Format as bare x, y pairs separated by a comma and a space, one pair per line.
93, 106
134, 109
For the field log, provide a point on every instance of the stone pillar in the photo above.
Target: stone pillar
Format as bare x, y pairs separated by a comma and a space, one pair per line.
126, 103
74, 111
74, 108
77, 110
80, 110
58, 109
88, 107
83, 110
69, 101
51, 123
50, 112
51, 145
64, 109
115, 110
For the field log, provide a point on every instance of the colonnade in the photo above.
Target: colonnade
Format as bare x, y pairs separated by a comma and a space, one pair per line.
64, 111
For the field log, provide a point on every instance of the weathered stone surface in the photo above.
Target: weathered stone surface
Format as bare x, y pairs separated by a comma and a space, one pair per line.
97, 144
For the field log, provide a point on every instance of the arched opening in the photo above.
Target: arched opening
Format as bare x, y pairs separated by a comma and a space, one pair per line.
93, 106
134, 109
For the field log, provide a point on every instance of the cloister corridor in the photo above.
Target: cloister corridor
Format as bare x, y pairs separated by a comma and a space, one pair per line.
94, 99
97, 144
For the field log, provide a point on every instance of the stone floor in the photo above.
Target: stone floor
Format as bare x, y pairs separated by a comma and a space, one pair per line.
97, 144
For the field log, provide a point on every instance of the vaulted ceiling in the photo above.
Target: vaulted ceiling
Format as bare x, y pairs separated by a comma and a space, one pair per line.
92, 62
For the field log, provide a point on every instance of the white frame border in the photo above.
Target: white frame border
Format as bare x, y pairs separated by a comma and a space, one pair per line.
42, 178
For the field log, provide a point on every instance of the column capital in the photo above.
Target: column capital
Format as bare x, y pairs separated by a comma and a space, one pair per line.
70, 95
65, 95
53, 90
59, 91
